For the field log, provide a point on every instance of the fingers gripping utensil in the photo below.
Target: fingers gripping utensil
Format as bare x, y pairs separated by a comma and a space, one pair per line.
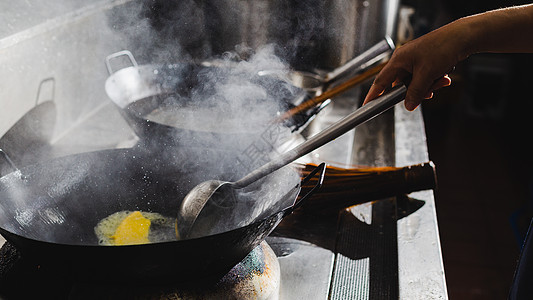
192, 207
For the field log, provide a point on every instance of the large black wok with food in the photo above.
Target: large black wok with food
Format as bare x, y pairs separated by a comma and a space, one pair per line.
49, 211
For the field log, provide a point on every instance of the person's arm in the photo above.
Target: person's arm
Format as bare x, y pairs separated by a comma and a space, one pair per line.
424, 63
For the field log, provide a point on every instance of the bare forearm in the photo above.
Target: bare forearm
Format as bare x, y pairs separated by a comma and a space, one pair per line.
508, 30
426, 61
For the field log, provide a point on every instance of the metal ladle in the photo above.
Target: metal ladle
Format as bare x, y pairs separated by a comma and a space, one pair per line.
215, 190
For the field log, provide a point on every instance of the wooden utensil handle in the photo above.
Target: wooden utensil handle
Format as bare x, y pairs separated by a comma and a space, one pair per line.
352, 82
346, 187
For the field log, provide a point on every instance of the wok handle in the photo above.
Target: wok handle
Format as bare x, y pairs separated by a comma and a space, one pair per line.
344, 189
40, 90
110, 57
359, 116
364, 60
322, 169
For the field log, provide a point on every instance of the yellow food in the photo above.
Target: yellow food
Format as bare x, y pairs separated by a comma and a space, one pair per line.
134, 227
132, 230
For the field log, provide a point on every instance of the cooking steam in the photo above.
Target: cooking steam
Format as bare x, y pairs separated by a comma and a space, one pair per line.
232, 106
228, 108
232, 111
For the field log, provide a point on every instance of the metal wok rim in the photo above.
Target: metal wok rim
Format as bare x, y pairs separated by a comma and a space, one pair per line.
259, 220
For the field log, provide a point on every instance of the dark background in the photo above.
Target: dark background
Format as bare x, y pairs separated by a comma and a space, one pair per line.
479, 132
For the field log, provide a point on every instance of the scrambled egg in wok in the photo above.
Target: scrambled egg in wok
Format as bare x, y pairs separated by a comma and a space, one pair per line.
134, 227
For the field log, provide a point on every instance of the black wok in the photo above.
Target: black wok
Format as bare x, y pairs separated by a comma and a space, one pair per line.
150, 96
48, 212
30, 136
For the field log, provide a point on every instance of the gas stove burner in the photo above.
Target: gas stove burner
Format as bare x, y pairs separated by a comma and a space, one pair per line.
257, 276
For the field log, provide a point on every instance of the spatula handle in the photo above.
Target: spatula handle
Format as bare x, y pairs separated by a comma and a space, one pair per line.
359, 116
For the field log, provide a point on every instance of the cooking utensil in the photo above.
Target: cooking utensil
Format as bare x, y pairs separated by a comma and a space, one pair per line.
152, 97
318, 83
139, 90
30, 136
201, 203
335, 91
346, 187
50, 212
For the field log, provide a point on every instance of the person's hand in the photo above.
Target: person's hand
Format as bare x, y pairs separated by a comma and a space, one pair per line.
422, 64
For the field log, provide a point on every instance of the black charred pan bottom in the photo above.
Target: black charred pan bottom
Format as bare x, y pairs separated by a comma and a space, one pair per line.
181, 264
22, 278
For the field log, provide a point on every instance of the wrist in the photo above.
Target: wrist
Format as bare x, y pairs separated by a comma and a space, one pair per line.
464, 36
498, 31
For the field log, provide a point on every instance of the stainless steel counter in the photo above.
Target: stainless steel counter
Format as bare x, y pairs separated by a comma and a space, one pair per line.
395, 138
419, 253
